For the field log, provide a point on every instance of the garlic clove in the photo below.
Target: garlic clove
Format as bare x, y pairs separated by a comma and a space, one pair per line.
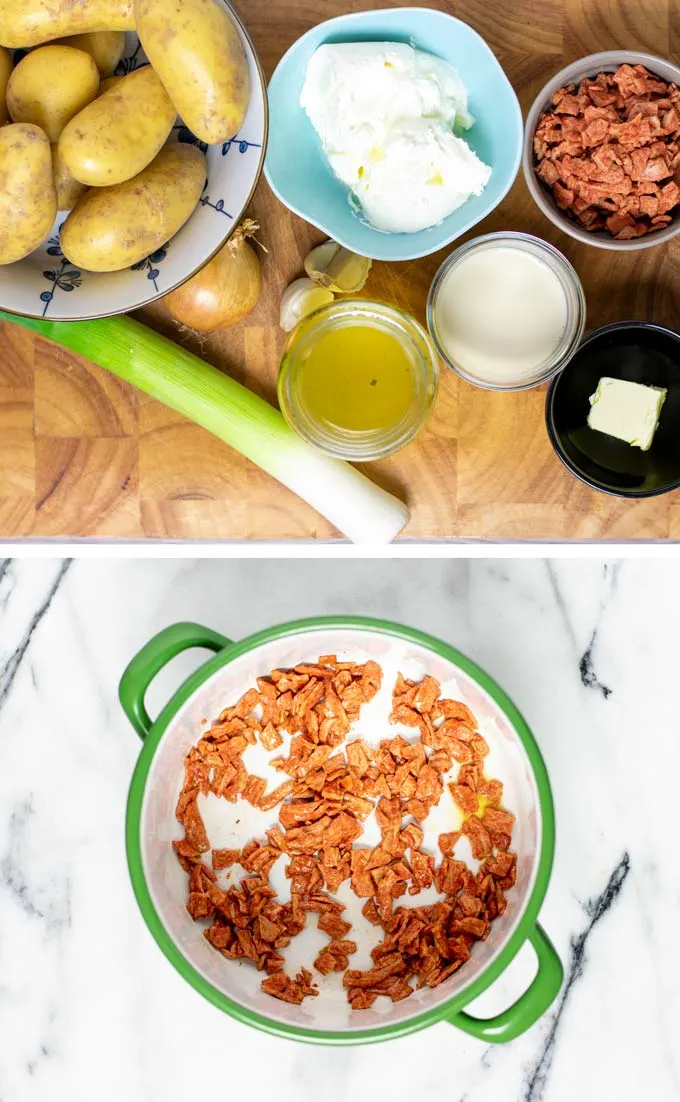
333, 266
301, 298
319, 260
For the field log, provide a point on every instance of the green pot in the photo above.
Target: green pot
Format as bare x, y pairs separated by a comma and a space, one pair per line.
160, 885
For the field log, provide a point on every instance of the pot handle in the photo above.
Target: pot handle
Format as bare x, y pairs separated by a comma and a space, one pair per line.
152, 657
529, 1007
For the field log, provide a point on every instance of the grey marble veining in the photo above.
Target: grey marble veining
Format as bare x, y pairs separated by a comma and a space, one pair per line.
588, 650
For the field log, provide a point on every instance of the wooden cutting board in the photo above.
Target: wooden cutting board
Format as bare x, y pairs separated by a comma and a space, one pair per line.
84, 455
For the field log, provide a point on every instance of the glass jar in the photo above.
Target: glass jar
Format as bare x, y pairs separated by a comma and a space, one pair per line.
334, 355
575, 312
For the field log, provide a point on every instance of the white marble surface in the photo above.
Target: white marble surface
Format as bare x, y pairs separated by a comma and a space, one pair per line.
89, 1008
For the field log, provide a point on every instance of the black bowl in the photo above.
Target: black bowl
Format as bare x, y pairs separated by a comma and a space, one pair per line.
640, 353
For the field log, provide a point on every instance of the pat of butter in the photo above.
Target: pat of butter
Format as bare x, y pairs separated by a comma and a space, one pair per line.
628, 411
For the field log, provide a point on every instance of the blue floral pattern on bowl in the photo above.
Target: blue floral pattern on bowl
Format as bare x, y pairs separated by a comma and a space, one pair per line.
47, 284
65, 278
131, 61
150, 264
239, 143
218, 206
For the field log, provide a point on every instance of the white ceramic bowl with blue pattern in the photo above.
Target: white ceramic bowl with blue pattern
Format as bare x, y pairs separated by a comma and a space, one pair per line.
45, 284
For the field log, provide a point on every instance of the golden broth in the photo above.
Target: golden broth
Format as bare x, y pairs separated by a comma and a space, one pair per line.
356, 377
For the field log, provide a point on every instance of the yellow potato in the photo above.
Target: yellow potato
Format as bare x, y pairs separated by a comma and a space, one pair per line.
28, 202
107, 83
120, 133
5, 70
115, 227
25, 23
104, 47
196, 50
68, 190
51, 85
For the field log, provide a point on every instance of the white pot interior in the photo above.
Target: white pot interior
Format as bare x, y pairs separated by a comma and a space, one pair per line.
232, 825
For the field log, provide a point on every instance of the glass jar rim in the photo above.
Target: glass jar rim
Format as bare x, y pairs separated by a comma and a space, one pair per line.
574, 294
359, 445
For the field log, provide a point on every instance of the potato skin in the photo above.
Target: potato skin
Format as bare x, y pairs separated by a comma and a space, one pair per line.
51, 85
104, 47
68, 190
28, 202
25, 23
115, 227
196, 50
108, 83
5, 71
120, 133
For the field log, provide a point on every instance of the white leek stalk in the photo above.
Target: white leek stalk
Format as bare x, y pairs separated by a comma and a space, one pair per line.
350, 501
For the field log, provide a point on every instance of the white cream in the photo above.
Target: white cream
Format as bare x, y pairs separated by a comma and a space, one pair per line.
385, 114
501, 314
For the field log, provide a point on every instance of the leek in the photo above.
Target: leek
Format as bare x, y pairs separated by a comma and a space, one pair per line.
351, 502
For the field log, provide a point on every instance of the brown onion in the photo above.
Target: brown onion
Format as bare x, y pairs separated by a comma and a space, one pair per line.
223, 292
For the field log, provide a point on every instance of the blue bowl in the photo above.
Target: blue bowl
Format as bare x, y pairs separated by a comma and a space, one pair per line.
299, 174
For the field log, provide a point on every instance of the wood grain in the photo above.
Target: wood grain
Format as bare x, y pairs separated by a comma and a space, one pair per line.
82, 454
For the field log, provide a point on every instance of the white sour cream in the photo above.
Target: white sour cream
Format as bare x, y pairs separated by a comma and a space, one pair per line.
385, 115
501, 314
